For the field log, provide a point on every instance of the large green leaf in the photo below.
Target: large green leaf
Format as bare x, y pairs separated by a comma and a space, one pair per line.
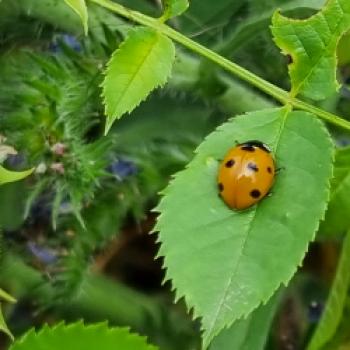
225, 263
250, 333
312, 45
173, 8
142, 63
11, 176
332, 314
79, 6
336, 220
79, 336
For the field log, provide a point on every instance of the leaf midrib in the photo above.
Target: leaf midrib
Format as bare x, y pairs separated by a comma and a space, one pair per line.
251, 222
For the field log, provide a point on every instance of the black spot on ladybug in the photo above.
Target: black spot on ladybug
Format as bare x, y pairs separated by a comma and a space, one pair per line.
253, 167
248, 148
255, 193
221, 187
230, 163
269, 170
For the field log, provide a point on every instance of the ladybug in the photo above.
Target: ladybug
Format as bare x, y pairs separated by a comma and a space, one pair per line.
246, 174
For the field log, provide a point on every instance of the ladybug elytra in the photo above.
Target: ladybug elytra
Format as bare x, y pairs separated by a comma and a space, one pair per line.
246, 174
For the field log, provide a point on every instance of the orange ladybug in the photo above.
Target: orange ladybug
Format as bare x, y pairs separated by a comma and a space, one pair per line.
246, 174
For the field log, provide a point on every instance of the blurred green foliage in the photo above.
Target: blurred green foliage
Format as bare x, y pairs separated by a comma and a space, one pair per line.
75, 234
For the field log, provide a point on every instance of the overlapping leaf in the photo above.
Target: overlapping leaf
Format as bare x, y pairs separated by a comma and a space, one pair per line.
332, 314
250, 333
79, 6
336, 220
312, 45
142, 63
225, 263
78, 336
11, 176
173, 8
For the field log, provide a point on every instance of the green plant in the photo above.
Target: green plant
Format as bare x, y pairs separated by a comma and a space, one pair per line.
88, 189
202, 233
7, 176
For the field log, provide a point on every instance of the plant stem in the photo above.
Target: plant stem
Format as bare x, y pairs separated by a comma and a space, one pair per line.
265, 86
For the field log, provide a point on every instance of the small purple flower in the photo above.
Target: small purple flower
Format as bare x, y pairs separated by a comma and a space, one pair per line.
15, 161
69, 40
41, 210
122, 169
45, 255
342, 141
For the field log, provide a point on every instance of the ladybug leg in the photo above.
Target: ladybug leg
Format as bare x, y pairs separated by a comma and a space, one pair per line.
278, 170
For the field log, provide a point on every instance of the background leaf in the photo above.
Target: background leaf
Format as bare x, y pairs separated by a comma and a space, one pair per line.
205, 21
312, 45
260, 19
250, 333
336, 220
79, 336
7, 297
3, 325
142, 63
79, 6
332, 314
11, 176
173, 8
225, 262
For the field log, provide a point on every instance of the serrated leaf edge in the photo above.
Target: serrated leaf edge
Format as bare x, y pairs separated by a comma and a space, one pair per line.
80, 324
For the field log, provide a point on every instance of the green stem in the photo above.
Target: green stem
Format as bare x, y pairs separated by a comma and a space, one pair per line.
328, 117
265, 86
